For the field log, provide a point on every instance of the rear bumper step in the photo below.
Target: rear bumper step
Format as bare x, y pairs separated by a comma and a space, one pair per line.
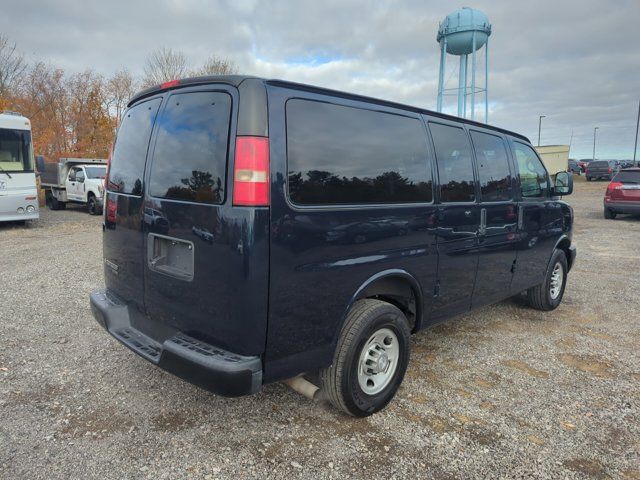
212, 368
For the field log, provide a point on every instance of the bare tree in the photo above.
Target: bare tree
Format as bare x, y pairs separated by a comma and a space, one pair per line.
217, 66
119, 89
12, 66
163, 65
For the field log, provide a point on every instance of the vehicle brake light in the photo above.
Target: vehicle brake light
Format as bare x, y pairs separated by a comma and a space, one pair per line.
251, 172
111, 210
169, 84
614, 186
30, 198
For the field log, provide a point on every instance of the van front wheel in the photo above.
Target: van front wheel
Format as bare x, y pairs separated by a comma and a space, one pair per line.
371, 359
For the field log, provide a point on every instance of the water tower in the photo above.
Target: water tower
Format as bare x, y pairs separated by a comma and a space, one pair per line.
461, 33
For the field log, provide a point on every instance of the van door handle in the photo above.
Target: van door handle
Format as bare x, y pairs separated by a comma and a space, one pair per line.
483, 222
467, 213
520, 217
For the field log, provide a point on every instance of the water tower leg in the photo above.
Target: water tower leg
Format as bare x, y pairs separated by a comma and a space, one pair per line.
473, 78
462, 86
443, 53
486, 82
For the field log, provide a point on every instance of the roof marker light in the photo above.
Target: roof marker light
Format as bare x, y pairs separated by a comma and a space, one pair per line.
169, 84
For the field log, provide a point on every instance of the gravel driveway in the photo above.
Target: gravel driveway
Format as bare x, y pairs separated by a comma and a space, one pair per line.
503, 392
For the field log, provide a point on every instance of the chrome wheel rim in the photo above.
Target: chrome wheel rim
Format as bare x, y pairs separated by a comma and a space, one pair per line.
378, 361
557, 276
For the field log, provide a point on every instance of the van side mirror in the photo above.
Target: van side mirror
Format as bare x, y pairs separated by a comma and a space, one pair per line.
563, 184
40, 163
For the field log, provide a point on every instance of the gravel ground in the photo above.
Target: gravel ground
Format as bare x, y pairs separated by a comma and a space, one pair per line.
504, 392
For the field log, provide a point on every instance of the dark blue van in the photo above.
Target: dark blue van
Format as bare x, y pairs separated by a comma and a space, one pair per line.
259, 230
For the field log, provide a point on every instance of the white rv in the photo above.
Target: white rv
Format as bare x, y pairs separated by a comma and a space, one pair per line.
18, 193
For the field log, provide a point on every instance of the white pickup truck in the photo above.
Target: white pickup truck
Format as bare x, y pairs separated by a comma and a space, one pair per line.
76, 180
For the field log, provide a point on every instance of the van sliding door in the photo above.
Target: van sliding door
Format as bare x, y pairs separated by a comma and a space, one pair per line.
458, 220
497, 238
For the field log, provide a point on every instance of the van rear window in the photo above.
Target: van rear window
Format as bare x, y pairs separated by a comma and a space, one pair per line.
345, 155
130, 150
190, 154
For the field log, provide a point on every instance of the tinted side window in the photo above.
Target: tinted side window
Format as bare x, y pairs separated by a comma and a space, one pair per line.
455, 167
130, 149
493, 167
190, 155
342, 155
534, 181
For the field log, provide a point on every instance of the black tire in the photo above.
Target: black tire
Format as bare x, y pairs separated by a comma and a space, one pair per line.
609, 214
54, 204
92, 205
340, 381
540, 297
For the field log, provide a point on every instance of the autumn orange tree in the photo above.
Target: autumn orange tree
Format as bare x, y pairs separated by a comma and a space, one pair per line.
71, 115
77, 115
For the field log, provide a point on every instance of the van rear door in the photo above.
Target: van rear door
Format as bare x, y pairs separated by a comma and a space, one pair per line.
123, 243
206, 260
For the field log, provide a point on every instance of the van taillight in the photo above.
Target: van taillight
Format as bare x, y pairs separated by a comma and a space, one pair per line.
251, 172
111, 212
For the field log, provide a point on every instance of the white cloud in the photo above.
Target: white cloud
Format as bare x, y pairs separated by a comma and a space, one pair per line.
575, 61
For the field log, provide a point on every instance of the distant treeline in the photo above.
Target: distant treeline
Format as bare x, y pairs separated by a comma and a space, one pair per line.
77, 114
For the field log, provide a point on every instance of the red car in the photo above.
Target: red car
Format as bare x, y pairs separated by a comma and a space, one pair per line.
623, 193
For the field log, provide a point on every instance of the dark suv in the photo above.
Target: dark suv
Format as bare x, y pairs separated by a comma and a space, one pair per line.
602, 169
298, 230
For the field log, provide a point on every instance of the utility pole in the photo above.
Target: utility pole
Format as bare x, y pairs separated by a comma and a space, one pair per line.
540, 126
594, 143
635, 146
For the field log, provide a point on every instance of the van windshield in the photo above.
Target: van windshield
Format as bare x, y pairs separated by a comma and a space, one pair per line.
15, 151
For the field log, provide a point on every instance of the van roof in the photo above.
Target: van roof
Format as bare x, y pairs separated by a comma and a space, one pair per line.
236, 80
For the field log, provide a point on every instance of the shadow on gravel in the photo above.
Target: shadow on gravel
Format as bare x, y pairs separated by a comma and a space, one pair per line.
599, 215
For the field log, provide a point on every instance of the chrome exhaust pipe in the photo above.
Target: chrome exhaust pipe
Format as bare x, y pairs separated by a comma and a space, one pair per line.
303, 386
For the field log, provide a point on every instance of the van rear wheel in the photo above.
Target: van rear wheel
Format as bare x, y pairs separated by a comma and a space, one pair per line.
548, 295
370, 360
